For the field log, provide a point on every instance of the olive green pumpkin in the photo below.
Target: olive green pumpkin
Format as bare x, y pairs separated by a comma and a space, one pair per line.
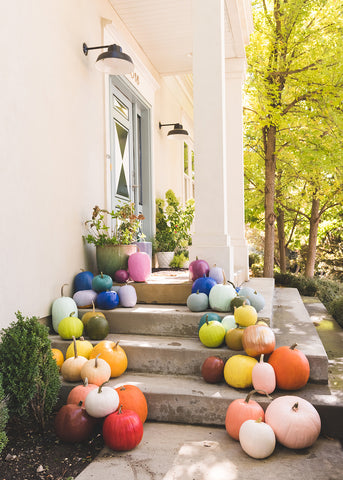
97, 327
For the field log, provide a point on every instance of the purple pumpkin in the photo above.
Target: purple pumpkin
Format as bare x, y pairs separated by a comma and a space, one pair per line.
121, 276
127, 296
84, 298
203, 285
139, 266
198, 268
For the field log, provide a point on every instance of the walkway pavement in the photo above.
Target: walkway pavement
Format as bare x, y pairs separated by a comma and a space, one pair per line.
186, 452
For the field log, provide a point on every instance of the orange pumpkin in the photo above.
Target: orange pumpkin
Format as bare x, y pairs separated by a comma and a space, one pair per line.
292, 369
113, 354
58, 357
258, 339
132, 398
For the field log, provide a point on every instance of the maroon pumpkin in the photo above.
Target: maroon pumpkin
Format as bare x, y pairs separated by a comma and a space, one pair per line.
73, 424
122, 430
212, 370
198, 268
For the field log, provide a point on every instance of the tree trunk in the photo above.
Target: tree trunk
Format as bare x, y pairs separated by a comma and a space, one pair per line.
312, 240
269, 138
280, 220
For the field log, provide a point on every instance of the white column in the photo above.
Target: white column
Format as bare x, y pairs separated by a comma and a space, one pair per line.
211, 241
234, 77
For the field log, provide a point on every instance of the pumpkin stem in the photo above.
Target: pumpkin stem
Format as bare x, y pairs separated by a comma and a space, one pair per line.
75, 347
100, 386
102, 275
85, 382
64, 285
120, 409
71, 314
93, 306
96, 360
293, 346
261, 357
259, 420
256, 391
82, 339
116, 345
295, 407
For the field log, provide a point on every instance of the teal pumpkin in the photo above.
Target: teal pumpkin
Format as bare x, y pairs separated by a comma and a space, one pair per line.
70, 327
102, 282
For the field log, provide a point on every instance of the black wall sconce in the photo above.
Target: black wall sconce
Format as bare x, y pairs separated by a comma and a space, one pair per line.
177, 132
114, 61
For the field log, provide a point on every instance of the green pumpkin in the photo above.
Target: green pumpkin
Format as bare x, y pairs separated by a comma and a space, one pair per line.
97, 327
70, 327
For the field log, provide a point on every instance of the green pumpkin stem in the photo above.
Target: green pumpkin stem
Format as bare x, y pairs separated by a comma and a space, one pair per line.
100, 386
247, 399
85, 382
293, 346
120, 409
75, 347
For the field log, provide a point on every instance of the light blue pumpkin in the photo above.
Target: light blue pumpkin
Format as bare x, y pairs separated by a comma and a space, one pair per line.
229, 322
197, 302
220, 297
255, 298
217, 273
61, 308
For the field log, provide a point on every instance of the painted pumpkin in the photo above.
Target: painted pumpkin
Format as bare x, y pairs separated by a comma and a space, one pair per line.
263, 377
121, 276
139, 266
258, 339
255, 298
203, 285
291, 366
198, 268
122, 430
257, 438
61, 308
70, 327
229, 322
233, 338
217, 273
83, 281
84, 348
131, 397
245, 315
239, 411
97, 327
85, 298
209, 317
220, 297
86, 316
212, 334
197, 302
238, 371
102, 282
113, 354
107, 300
101, 402
295, 421
127, 295
212, 370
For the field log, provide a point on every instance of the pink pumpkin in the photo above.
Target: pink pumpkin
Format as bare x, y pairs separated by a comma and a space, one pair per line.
263, 377
139, 266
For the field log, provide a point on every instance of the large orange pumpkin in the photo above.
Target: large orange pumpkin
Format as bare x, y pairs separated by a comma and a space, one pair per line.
292, 369
113, 354
132, 398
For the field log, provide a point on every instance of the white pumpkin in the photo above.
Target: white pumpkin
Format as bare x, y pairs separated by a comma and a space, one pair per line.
127, 296
257, 438
101, 402
217, 273
220, 297
61, 308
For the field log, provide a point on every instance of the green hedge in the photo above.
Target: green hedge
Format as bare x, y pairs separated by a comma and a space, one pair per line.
329, 292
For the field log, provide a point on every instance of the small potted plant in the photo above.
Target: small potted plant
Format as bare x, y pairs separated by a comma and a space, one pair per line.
173, 224
113, 233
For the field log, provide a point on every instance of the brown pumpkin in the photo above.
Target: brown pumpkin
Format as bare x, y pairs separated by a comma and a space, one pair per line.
291, 366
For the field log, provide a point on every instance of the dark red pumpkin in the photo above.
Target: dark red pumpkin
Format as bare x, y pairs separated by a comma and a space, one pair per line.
291, 366
122, 430
212, 370
73, 424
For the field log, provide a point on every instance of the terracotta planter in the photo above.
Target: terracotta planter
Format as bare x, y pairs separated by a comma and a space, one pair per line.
110, 258
164, 259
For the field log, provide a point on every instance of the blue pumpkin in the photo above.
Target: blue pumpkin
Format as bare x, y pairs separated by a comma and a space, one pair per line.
209, 317
83, 281
203, 285
197, 302
107, 300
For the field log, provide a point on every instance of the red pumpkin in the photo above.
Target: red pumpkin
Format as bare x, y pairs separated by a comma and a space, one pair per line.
258, 339
212, 370
239, 411
132, 398
122, 430
73, 424
292, 369
139, 266
79, 393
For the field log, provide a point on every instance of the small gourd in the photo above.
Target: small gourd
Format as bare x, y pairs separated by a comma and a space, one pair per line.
71, 368
84, 298
96, 370
197, 302
257, 438
263, 376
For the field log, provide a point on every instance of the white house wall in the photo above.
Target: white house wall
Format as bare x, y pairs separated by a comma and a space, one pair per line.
53, 144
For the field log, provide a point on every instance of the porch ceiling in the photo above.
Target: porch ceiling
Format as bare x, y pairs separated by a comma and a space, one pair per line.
163, 29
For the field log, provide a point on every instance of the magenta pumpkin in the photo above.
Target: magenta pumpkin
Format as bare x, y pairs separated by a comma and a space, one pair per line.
121, 276
139, 266
198, 268
122, 430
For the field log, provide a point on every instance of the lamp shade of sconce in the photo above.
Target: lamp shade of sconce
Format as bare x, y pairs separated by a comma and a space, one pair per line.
113, 61
178, 132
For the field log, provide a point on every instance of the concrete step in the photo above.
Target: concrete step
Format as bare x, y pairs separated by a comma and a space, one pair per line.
190, 400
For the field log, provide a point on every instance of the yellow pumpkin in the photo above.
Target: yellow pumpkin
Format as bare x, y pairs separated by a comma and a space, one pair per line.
84, 348
58, 357
238, 371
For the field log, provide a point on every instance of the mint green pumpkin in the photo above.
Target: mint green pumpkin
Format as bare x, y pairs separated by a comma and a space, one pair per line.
220, 297
61, 308
70, 327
